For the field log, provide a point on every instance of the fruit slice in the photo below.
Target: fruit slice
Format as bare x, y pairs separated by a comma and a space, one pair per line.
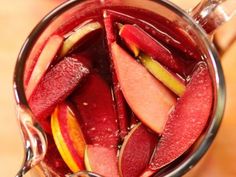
137, 38
119, 98
68, 137
162, 29
162, 74
55, 86
146, 96
78, 35
101, 160
97, 116
186, 121
136, 151
44, 60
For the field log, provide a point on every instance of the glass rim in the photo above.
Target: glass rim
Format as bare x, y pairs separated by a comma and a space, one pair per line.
30, 41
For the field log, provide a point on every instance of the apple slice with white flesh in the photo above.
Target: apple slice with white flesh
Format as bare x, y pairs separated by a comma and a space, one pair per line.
68, 137
148, 98
101, 160
78, 35
159, 71
47, 55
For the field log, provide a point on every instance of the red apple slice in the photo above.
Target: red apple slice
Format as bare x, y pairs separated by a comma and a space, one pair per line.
136, 151
119, 98
55, 86
68, 137
186, 121
146, 96
162, 29
97, 116
101, 160
43, 62
138, 38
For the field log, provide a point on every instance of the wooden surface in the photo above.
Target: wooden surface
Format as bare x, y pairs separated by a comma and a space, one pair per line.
18, 17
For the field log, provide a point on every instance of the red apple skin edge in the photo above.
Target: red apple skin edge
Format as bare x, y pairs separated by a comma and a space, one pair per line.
136, 151
186, 122
120, 101
55, 86
147, 44
147, 97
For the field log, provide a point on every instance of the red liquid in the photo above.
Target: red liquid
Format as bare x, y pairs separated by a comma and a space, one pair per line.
94, 53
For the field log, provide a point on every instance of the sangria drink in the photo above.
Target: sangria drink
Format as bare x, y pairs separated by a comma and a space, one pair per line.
119, 91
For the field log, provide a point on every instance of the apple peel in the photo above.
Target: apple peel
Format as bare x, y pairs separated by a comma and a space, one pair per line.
135, 37
55, 86
136, 151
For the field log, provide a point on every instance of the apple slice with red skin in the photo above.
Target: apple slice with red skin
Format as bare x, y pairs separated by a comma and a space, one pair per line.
95, 107
55, 86
68, 137
186, 122
136, 37
146, 96
169, 79
45, 58
136, 151
101, 160
168, 32
119, 98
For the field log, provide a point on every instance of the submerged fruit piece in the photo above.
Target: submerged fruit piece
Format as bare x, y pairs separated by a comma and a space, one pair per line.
146, 96
43, 62
97, 116
55, 86
137, 38
53, 160
136, 151
186, 121
168, 32
119, 98
162, 74
78, 35
68, 137
101, 160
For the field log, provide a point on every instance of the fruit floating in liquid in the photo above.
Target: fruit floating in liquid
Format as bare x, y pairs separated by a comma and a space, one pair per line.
117, 96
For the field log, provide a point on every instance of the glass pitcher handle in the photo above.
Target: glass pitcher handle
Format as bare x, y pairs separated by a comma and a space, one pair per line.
210, 14
34, 140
